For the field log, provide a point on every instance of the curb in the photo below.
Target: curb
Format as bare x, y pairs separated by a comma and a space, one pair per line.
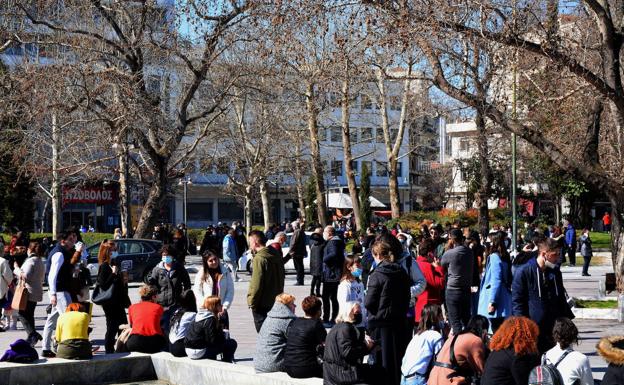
593, 313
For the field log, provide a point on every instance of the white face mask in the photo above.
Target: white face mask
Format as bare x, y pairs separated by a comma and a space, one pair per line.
549, 264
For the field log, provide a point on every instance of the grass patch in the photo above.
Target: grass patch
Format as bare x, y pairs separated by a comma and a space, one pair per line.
600, 240
608, 304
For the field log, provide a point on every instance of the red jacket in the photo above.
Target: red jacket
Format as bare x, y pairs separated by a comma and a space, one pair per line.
435, 285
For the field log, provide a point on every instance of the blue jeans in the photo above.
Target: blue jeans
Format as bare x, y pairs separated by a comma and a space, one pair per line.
416, 379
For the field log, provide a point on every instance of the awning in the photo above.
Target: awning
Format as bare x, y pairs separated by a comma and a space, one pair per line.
343, 201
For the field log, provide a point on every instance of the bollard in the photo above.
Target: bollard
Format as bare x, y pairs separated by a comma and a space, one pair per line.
621, 308
602, 289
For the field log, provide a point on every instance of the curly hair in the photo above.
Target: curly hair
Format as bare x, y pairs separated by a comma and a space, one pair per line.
565, 332
519, 332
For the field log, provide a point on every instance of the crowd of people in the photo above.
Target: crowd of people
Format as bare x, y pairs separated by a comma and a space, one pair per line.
448, 306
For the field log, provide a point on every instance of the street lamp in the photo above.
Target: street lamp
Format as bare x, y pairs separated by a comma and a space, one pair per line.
185, 182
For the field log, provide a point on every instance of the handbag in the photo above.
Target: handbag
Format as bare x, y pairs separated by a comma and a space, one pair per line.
100, 297
20, 298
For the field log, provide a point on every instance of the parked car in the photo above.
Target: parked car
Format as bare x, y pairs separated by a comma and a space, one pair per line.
136, 256
244, 263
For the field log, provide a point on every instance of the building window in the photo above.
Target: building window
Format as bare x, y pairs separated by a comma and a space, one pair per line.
199, 211
399, 170
394, 132
464, 145
382, 169
366, 135
365, 102
379, 136
152, 85
353, 137
448, 147
395, 103
336, 134
333, 98
336, 168
230, 211
322, 134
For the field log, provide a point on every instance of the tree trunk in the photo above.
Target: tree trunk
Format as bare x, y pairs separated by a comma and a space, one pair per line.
317, 165
248, 208
266, 205
348, 157
617, 237
44, 214
299, 183
124, 188
393, 187
154, 201
56, 183
486, 176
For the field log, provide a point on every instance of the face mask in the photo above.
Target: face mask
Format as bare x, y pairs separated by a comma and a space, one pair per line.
357, 273
357, 318
550, 264
167, 259
114, 254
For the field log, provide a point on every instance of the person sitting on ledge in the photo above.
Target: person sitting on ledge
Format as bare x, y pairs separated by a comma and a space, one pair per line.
271, 343
205, 337
145, 316
303, 339
72, 333
181, 321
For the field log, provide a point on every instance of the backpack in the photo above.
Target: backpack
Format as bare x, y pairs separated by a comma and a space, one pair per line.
547, 373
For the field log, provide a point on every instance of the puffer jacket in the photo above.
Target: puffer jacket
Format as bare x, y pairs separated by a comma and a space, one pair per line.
271, 342
170, 284
317, 246
612, 350
344, 350
333, 259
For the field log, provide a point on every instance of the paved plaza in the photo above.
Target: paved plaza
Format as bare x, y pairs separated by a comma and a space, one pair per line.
242, 329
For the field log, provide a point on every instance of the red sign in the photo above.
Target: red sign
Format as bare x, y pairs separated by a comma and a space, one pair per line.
99, 195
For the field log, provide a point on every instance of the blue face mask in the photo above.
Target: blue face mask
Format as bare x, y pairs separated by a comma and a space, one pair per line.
114, 254
167, 259
357, 273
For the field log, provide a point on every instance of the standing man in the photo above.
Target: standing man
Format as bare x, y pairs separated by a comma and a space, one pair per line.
59, 286
538, 293
333, 262
458, 262
267, 278
230, 254
606, 221
298, 250
570, 238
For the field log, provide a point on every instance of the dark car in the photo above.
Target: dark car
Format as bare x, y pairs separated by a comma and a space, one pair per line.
136, 256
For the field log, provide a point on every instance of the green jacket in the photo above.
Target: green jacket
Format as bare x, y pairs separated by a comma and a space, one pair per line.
267, 280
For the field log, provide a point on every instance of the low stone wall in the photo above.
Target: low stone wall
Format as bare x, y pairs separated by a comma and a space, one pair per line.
139, 367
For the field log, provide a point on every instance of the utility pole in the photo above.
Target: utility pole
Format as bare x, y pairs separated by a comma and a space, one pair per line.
514, 208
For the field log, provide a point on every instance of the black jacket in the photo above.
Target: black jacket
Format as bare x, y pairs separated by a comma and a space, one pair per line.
204, 332
210, 242
303, 337
317, 246
333, 259
504, 367
106, 278
169, 284
612, 350
388, 295
344, 350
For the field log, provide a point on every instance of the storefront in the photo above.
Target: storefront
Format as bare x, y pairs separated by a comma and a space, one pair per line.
96, 206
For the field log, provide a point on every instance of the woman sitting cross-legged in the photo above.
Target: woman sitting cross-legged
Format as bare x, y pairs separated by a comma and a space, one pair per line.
145, 316
345, 347
205, 337
72, 333
182, 319
303, 339
514, 353
424, 346
271, 342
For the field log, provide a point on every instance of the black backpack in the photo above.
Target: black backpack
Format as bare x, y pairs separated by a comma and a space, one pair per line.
547, 373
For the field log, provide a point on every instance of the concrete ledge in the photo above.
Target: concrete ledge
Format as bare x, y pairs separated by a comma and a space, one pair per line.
100, 369
139, 367
593, 313
184, 371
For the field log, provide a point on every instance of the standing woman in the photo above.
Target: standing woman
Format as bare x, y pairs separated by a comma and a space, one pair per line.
32, 272
181, 246
429, 264
114, 309
586, 251
495, 290
317, 245
214, 278
387, 301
